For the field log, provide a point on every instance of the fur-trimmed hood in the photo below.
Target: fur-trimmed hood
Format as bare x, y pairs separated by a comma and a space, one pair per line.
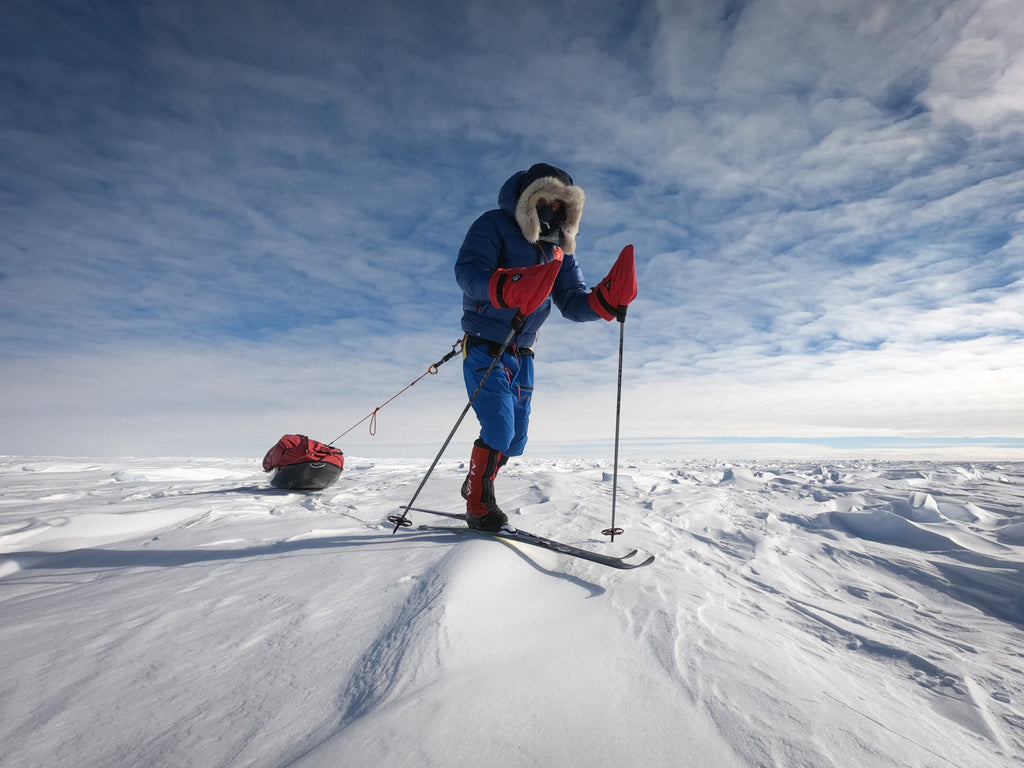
522, 203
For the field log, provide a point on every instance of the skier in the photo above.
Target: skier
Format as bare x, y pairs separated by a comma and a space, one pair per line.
514, 261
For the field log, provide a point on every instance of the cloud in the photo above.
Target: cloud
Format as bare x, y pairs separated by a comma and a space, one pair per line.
980, 79
897, 389
202, 200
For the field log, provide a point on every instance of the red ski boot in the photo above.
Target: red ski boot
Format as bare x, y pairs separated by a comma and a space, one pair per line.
482, 512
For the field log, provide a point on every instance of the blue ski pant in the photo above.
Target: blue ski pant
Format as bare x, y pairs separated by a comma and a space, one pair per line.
503, 405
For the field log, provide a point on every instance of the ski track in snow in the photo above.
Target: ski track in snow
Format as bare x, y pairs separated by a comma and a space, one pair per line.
181, 612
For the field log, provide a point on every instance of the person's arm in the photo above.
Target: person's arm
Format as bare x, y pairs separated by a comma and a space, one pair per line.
478, 259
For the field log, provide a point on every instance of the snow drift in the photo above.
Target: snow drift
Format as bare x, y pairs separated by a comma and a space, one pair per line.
175, 612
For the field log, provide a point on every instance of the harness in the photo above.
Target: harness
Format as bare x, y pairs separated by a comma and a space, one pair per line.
493, 348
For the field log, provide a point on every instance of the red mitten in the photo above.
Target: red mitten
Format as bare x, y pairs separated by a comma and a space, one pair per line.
525, 287
613, 294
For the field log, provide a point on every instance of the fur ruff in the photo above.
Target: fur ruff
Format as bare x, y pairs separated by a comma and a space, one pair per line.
550, 188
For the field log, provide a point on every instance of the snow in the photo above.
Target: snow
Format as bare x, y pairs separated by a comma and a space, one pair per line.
169, 612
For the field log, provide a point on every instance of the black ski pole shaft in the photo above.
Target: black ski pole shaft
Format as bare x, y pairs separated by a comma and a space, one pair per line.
402, 520
618, 412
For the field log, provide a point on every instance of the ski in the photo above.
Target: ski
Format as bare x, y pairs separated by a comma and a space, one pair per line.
516, 534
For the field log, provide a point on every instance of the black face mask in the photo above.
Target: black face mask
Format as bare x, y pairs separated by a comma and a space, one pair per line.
551, 217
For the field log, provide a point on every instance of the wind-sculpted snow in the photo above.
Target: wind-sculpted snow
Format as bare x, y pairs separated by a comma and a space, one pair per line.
181, 612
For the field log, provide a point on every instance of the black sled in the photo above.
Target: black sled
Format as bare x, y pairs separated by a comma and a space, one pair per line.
306, 476
302, 464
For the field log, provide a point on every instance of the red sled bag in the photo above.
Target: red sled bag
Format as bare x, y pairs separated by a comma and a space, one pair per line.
303, 464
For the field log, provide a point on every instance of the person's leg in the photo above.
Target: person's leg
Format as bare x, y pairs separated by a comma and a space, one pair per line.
496, 411
495, 403
522, 392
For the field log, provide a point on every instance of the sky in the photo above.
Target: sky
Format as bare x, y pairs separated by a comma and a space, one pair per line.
224, 222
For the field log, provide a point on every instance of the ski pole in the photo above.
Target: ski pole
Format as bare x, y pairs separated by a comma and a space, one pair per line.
612, 531
402, 521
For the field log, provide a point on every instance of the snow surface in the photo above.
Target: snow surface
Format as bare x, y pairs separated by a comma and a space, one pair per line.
183, 613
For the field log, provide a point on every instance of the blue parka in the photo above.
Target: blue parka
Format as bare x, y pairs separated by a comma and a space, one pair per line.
495, 241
